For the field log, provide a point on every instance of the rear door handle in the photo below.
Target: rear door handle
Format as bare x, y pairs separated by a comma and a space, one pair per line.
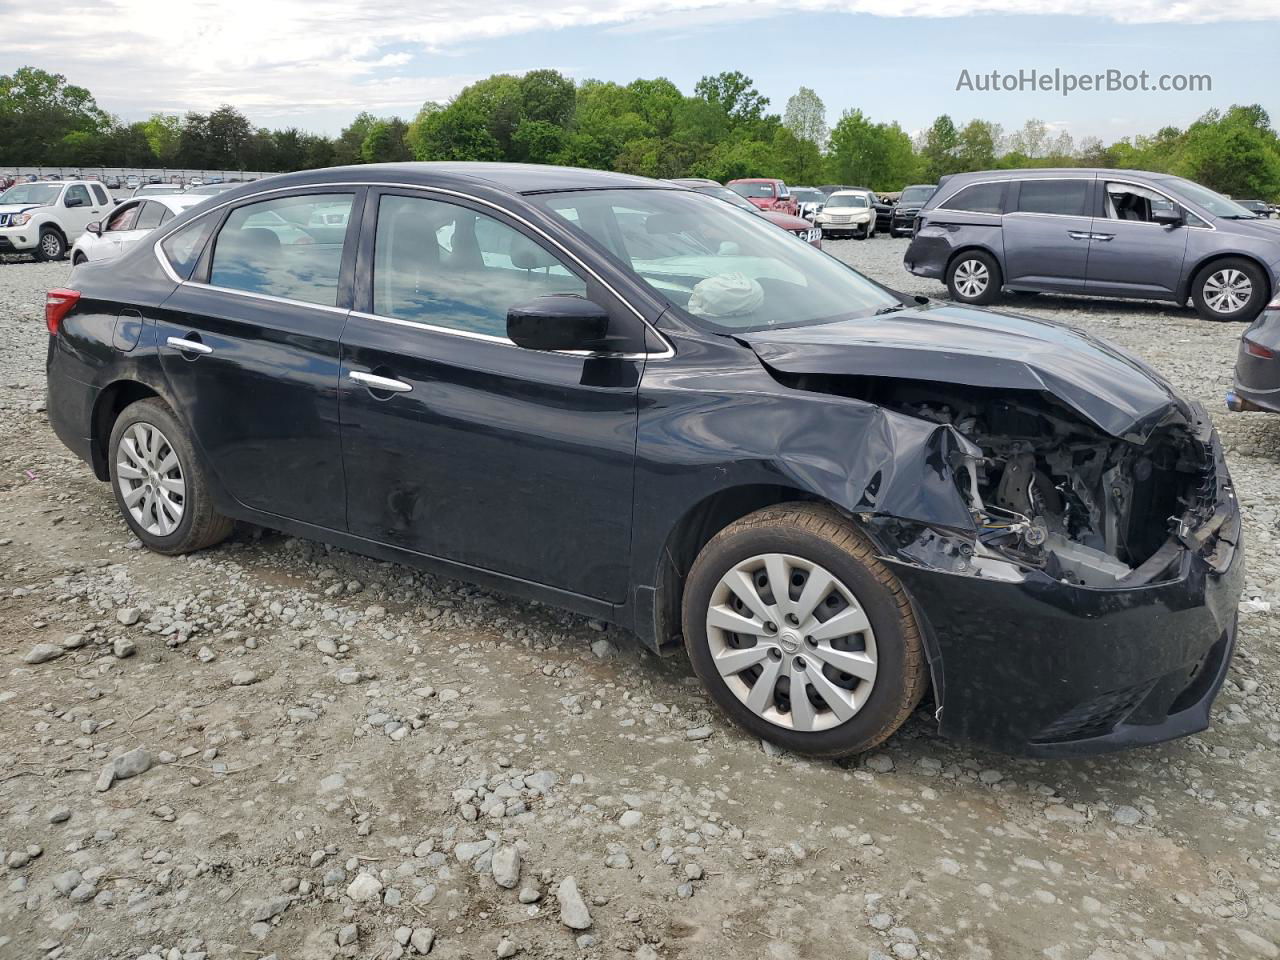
189, 346
375, 382
1104, 237
1078, 235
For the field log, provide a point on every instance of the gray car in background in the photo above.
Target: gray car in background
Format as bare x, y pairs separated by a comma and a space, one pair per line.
1106, 233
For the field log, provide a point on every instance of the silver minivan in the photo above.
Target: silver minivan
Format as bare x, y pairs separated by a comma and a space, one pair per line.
1098, 232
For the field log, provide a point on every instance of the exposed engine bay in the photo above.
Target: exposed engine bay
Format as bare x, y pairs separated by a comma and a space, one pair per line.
1049, 490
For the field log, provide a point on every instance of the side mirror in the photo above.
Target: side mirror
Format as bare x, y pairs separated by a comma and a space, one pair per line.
558, 322
95, 228
1167, 218
73, 202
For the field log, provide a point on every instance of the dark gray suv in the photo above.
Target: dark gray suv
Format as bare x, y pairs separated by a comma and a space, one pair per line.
1108, 233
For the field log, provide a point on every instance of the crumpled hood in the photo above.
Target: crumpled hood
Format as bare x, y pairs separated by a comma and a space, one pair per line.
953, 344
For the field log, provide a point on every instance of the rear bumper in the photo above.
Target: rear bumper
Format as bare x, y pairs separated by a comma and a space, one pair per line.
70, 405
927, 257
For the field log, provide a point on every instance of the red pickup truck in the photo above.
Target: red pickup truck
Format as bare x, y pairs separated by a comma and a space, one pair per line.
766, 193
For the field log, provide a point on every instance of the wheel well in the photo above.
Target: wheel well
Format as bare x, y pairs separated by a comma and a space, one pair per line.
971, 248
55, 228
110, 404
1215, 258
686, 540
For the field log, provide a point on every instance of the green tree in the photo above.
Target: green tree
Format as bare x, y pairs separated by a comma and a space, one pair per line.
939, 155
348, 147
1236, 153
39, 111
876, 155
735, 94
386, 142
806, 117
977, 146
164, 136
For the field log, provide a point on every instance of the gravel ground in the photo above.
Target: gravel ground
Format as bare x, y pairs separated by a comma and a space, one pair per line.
278, 749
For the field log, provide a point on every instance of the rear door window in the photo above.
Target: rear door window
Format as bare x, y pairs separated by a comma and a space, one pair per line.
288, 247
1066, 198
978, 198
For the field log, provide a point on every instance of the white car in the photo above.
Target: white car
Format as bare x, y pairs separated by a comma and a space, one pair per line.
131, 182
849, 212
127, 224
157, 189
40, 217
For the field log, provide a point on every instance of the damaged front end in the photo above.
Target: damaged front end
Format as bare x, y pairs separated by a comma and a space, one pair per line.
1081, 595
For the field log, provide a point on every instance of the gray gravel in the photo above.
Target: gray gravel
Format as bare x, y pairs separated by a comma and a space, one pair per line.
350, 758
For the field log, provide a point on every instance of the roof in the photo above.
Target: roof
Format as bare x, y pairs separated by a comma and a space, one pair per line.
511, 177
1065, 172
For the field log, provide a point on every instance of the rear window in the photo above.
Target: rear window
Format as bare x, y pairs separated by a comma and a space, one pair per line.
287, 247
150, 216
1067, 198
183, 247
764, 189
977, 198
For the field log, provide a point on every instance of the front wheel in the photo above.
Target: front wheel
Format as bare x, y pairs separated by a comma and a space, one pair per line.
52, 246
160, 486
1230, 289
800, 634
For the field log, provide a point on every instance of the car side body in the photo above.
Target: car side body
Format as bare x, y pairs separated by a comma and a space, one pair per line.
128, 223
44, 218
1256, 383
600, 480
1107, 233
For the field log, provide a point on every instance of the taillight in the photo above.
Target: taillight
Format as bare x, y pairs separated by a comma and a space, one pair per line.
1257, 349
57, 304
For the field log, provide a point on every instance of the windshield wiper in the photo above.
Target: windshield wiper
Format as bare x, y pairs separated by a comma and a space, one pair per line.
883, 310
1241, 216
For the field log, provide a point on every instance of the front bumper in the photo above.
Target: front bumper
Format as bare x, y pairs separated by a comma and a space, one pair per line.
19, 239
1039, 667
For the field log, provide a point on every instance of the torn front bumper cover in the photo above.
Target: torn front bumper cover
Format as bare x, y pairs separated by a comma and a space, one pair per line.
1028, 664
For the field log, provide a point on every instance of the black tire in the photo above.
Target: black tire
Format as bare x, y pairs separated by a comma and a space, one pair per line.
200, 525
1217, 271
52, 244
973, 260
818, 534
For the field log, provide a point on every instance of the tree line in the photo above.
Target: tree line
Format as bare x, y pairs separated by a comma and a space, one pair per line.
723, 130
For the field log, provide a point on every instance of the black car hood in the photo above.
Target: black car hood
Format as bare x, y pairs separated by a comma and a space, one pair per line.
953, 344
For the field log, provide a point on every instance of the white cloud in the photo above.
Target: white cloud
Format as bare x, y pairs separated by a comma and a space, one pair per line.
278, 59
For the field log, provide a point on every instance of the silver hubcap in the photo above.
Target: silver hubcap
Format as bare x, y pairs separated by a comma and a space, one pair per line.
1227, 291
972, 278
792, 642
50, 244
150, 479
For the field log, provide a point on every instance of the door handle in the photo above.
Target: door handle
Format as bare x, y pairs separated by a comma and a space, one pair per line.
189, 346
1078, 235
375, 382
1104, 237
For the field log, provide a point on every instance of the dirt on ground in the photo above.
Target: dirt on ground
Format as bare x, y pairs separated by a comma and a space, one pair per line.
274, 748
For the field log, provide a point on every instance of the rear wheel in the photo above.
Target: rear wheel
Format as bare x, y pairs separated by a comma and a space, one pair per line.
800, 634
1230, 289
160, 486
974, 277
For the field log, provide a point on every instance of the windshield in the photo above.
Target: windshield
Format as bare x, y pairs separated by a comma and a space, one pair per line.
39, 193
724, 268
755, 189
847, 200
727, 195
1215, 203
916, 194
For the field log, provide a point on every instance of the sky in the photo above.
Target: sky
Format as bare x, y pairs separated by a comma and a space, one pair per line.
316, 63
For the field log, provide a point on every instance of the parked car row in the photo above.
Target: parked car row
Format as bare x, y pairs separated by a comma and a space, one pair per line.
794, 225
831, 495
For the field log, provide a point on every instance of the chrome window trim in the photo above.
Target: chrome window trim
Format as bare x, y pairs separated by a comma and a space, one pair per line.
1147, 223
664, 354
287, 301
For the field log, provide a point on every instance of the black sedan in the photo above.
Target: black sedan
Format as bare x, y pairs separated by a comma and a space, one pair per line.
642, 404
